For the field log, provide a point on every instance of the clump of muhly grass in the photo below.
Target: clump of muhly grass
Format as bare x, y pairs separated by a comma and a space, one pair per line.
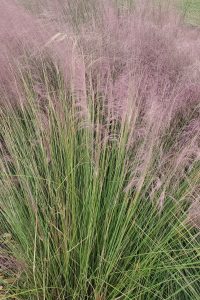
100, 155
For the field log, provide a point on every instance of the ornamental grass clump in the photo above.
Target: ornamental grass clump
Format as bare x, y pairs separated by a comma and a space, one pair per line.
99, 152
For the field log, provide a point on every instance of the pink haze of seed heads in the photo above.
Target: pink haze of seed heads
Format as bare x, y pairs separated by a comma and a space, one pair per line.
143, 62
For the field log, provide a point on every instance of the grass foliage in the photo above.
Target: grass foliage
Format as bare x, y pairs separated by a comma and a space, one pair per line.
89, 211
